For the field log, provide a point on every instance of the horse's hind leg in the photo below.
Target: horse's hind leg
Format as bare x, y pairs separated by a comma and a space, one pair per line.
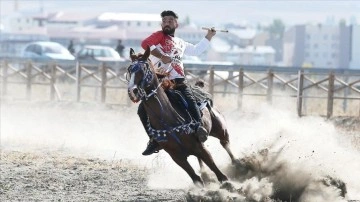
183, 163
219, 130
225, 143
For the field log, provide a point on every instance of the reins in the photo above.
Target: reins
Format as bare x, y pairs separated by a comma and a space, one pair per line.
153, 92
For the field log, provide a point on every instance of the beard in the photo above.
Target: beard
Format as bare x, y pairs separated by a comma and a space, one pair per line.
168, 30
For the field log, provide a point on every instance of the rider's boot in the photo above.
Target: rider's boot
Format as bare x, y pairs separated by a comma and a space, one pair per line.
200, 132
152, 146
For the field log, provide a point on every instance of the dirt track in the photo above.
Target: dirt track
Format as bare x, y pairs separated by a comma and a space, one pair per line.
54, 177
45, 174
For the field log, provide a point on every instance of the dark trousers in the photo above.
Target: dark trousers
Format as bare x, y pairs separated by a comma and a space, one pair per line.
186, 91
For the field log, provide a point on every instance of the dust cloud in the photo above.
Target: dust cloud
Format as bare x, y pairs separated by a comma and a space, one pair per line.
279, 153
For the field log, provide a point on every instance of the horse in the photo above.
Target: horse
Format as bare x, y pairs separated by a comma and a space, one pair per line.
168, 124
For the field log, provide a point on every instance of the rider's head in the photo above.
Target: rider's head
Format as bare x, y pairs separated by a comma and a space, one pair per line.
169, 22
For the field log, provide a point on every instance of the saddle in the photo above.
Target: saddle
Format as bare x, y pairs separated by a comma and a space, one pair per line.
203, 99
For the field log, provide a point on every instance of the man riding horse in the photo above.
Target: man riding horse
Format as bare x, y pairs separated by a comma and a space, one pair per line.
166, 53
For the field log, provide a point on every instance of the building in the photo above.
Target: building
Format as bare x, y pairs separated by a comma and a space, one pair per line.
323, 46
221, 50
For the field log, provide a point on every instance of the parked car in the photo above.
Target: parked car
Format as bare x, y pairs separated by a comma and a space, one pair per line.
42, 50
99, 53
90, 56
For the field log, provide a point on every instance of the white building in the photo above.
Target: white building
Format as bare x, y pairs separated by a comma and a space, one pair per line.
18, 22
250, 55
324, 46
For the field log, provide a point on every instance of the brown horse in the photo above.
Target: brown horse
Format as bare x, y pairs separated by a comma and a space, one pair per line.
168, 123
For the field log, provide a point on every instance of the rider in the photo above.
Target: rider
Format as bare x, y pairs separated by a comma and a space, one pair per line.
166, 53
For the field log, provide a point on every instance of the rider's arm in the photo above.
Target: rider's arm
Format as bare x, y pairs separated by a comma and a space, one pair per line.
164, 58
151, 42
200, 47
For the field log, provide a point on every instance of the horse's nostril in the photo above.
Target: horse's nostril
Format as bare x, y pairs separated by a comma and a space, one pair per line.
135, 90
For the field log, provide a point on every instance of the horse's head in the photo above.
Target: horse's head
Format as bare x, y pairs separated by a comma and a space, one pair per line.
141, 76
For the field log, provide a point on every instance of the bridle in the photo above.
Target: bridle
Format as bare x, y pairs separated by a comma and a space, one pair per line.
144, 85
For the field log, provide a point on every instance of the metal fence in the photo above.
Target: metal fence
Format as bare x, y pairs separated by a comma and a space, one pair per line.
337, 87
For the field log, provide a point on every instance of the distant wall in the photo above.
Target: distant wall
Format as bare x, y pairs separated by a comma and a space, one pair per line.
355, 47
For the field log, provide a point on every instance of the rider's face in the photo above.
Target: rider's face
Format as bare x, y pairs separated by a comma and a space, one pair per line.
169, 24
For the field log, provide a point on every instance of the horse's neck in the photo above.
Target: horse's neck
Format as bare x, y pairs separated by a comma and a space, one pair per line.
159, 108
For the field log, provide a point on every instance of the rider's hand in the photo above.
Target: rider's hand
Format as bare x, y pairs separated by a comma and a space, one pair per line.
211, 32
162, 71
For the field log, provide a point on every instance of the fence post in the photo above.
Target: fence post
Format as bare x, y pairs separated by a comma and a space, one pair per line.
241, 87
28, 80
78, 81
103, 82
346, 91
52, 81
211, 81
300, 92
330, 103
270, 82
5, 78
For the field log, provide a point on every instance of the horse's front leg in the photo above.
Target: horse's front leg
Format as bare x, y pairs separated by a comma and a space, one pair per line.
204, 175
208, 160
183, 163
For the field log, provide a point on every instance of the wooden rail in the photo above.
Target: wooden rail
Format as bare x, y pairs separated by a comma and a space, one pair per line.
241, 81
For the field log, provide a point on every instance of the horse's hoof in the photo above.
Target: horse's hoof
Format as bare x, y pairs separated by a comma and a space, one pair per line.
223, 179
228, 186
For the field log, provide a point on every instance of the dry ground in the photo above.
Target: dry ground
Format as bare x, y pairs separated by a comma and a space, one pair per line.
50, 175
55, 177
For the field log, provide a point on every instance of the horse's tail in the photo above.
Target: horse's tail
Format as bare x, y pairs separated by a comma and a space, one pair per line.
200, 94
200, 83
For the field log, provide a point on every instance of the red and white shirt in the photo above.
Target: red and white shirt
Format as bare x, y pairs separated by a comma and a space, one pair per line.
174, 47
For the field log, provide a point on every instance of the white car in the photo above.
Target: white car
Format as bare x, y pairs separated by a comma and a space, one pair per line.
46, 50
98, 53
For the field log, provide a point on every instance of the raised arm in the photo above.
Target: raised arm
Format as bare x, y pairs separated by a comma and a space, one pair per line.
200, 47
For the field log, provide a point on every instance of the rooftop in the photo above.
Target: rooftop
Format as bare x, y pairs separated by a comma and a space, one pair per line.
109, 16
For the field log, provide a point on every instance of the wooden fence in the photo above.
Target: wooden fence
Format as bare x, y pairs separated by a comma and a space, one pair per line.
301, 84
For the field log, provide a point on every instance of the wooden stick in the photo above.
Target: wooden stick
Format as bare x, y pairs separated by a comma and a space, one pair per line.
218, 30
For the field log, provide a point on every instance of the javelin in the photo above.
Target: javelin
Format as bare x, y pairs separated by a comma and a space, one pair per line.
217, 30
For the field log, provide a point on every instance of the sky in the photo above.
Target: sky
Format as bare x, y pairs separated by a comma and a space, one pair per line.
210, 12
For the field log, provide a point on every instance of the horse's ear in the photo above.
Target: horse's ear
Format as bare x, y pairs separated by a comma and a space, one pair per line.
147, 53
132, 54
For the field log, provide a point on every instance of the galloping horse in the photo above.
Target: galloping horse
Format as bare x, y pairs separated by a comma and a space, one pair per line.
168, 125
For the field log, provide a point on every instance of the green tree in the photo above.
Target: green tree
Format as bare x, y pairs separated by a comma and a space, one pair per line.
276, 29
342, 23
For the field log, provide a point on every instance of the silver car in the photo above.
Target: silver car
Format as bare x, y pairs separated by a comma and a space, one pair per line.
43, 50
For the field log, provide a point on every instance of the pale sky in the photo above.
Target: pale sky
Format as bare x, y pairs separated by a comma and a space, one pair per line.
207, 12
